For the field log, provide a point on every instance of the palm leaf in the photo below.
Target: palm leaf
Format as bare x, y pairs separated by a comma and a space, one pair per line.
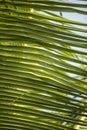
42, 66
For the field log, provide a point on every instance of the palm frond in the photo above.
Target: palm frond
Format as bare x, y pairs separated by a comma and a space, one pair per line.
43, 66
